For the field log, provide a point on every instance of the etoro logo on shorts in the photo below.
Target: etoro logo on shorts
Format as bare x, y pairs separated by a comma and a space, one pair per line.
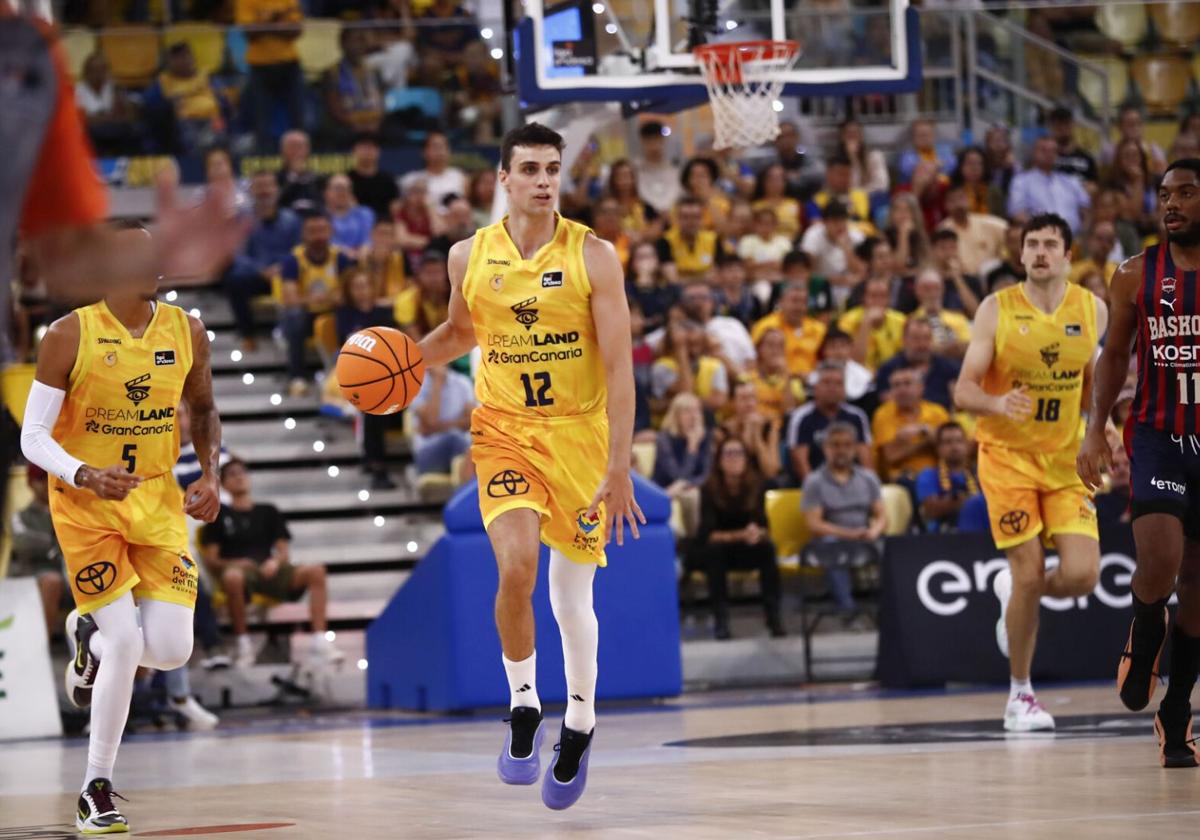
1014, 522
94, 579
1167, 484
507, 483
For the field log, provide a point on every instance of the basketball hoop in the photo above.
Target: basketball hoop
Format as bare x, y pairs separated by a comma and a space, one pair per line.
744, 81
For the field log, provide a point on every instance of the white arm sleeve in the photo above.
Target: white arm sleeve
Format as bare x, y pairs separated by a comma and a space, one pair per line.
41, 413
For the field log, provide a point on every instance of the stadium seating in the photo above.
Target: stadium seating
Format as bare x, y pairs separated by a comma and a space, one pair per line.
319, 46
77, 44
1124, 23
1163, 81
898, 504
1177, 24
133, 53
1090, 87
785, 521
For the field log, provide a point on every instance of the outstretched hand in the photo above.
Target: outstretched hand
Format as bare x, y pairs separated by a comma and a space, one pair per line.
616, 494
193, 242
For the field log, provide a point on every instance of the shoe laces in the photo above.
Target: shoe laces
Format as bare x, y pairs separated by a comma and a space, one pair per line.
1032, 704
102, 798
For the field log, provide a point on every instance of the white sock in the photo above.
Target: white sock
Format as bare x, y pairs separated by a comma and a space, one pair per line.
121, 640
522, 682
243, 643
571, 600
1016, 686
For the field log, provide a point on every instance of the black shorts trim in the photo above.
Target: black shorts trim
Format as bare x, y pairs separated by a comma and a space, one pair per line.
1177, 509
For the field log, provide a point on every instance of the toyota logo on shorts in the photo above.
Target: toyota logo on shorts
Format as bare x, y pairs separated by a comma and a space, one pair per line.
94, 579
1014, 522
507, 483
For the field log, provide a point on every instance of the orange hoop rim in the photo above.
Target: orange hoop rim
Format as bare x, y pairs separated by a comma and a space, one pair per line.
722, 63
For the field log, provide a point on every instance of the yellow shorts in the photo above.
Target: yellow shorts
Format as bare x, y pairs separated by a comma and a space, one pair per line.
1029, 493
551, 465
139, 544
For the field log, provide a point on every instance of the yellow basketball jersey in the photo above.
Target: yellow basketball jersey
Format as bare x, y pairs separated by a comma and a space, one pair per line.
533, 322
1047, 353
121, 399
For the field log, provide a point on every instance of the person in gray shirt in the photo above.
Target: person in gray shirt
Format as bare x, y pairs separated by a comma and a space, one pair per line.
843, 505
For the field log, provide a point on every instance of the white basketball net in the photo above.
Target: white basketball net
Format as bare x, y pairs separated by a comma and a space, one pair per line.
744, 81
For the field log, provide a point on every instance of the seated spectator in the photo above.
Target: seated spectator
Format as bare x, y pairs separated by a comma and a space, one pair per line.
929, 187
111, 118
1130, 176
248, 549
757, 430
843, 504
640, 221
606, 224
964, 291
877, 329
275, 232
728, 338
643, 365
868, 167
980, 235
777, 389
413, 219
352, 223
477, 93
1042, 189
971, 175
1072, 158
448, 39
311, 277
689, 250
425, 304
192, 99
925, 147
860, 383
951, 330
942, 490
647, 285
806, 425
802, 335
658, 179
1184, 146
905, 428
441, 179
443, 414
481, 193
797, 151
838, 187
771, 193
734, 298
733, 534
738, 226
700, 179
683, 456
688, 364
765, 247
1098, 245
1010, 262
456, 222
300, 189
797, 268
906, 232
384, 263
830, 243
36, 553
396, 55
373, 188
1001, 160
878, 260
1110, 206
938, 374
219, 172
1131, 126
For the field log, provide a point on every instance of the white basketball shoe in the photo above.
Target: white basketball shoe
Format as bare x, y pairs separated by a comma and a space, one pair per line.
1025, 714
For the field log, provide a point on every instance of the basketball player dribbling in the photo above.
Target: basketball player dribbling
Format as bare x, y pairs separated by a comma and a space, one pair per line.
1027, 375
101, 421
1156, 302
544, 299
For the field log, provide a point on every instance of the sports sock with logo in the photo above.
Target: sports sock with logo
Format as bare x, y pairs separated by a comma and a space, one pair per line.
571, 600
522, 682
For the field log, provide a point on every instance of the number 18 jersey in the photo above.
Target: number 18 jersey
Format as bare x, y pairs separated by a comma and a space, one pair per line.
1047, 353
533, 322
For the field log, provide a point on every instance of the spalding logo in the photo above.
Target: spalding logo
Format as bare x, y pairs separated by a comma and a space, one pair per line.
364, 341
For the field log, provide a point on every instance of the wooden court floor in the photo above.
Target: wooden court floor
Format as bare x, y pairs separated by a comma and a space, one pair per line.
785, 764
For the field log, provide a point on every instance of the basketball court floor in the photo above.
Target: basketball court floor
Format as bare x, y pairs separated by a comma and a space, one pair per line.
835, 763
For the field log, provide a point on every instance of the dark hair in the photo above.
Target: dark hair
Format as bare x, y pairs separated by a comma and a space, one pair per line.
833, 334
956, 177
178, 49
651, 128
915, 321
366, 137
760, 180
796, 257
530, 134
710, 165
748, 495
1190, 164
689, 200
730, 259
866, 249
610, 187
839, 159
948, 426
233, 461
1115, 175
942, 234
1048, 220
1061, 114
835, 209
841, 146
314, 213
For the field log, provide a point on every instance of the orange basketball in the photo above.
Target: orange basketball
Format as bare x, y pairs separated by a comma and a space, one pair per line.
380, 370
